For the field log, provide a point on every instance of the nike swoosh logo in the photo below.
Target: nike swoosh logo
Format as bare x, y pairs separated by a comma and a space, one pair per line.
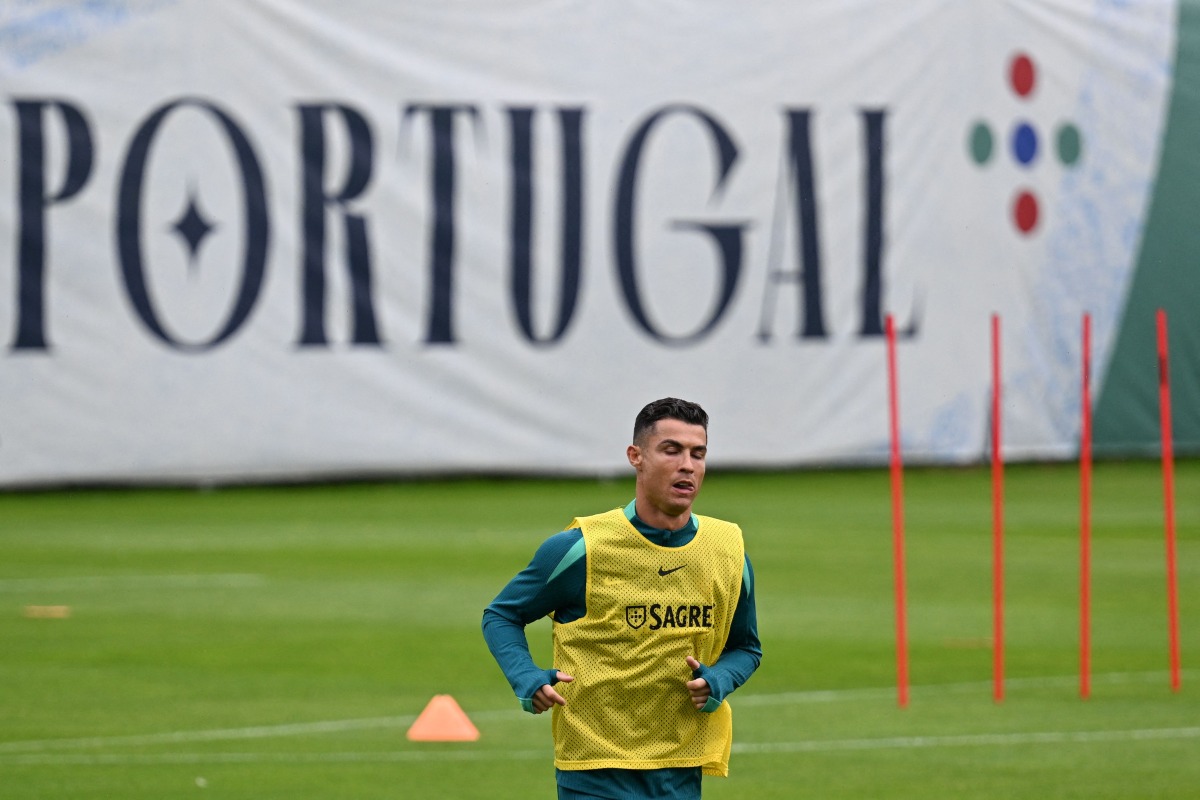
662, 571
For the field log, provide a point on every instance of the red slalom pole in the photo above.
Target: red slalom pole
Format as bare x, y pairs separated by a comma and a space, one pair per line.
1168, 467
1085, 517
997, 522
897, 470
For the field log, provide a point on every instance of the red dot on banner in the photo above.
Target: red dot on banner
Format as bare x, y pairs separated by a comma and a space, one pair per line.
1022, 74
1025, 212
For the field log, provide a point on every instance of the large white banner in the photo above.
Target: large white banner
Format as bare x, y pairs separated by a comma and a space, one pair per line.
281, 239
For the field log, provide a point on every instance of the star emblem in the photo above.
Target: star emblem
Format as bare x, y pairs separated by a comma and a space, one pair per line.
193, 227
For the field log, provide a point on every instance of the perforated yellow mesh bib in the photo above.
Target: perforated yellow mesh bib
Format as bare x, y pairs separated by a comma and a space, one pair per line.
648, 608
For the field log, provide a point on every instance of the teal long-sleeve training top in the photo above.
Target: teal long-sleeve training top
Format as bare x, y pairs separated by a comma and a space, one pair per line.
555, 582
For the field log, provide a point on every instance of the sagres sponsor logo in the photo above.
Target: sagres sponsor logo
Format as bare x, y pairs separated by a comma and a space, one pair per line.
1027, 138
661, 615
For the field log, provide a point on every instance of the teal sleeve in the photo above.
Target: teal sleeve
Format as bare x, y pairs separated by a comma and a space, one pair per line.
548, 585
743, 650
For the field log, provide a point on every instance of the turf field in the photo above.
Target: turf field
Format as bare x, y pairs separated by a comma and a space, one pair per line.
277, 643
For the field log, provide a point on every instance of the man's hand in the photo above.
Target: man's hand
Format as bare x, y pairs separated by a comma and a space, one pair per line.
546, 697
698, 688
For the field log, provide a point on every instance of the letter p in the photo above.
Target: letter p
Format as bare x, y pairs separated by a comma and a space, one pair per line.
32, 202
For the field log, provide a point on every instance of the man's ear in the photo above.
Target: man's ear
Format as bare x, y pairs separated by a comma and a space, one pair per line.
634, 454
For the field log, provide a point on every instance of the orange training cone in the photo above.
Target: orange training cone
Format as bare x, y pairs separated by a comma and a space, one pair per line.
443, 721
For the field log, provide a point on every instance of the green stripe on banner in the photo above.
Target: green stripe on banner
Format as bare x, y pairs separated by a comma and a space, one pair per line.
1167, 277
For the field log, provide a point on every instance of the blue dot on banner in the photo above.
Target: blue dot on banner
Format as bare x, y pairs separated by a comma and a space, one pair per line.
1024, 143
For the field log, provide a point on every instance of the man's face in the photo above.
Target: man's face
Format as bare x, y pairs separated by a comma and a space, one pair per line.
670, 465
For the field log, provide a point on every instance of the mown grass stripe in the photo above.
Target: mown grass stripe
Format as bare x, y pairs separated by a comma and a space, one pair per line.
751, 748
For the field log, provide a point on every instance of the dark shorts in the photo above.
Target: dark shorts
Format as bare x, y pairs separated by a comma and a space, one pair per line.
630, 784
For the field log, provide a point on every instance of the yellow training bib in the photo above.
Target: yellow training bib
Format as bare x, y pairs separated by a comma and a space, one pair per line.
648, 608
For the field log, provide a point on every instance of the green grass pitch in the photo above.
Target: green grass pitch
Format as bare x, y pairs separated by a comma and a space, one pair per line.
277, 642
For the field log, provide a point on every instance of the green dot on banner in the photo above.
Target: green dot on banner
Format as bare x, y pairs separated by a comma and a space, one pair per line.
981, 143
1070, 144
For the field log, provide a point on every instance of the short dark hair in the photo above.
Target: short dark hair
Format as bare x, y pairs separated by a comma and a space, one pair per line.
668, 408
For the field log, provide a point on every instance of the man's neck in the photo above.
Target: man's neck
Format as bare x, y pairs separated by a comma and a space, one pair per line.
659, 519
